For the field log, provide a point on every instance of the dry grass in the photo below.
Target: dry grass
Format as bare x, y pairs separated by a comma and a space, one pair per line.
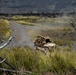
59, 62
61, 37
4, 28
25, 23
26, 20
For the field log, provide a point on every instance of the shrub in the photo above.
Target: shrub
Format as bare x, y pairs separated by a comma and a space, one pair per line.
4, 29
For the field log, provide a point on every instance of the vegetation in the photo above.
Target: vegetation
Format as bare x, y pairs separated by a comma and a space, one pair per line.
61, 37
61, 62
32, 20
26, 20
73, 21
4, 29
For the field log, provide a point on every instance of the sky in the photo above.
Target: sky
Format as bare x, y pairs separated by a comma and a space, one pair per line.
23, 6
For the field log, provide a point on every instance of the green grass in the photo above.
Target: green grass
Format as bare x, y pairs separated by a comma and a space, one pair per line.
32, 20
4, 29
26, 20
25, 23
59, 62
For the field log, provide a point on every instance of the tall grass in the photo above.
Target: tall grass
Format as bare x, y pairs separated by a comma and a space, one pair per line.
59, 62
4, 28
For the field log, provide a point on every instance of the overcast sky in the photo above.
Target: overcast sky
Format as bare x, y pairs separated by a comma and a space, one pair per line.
13, 6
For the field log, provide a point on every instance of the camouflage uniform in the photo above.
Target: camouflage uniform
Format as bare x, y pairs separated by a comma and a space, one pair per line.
40, 41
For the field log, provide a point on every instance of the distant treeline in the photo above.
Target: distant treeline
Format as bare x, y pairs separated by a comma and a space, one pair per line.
37, 14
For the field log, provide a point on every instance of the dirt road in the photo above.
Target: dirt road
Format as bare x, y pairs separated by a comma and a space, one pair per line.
22, 36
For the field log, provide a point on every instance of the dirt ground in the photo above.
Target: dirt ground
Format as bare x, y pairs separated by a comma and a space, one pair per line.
24, 34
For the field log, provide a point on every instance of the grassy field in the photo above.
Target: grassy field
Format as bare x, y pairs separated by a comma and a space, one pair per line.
61, 36
61, 62
32, 20
26, 20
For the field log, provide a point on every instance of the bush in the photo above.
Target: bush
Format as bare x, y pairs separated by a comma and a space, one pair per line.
4, 29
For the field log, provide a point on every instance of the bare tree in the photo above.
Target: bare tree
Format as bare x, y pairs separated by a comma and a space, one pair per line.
1, 47
6, 43
13, 70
